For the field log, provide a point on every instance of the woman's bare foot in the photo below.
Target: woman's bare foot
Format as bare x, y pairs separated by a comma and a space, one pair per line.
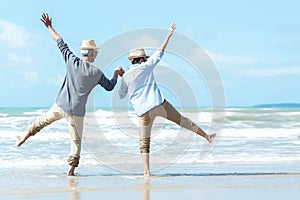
210, 138
147, 175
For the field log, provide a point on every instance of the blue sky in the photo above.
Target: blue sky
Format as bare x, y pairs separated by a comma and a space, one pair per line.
254, 45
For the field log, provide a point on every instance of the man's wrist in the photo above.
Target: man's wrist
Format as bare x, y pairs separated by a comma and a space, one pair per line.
115, 76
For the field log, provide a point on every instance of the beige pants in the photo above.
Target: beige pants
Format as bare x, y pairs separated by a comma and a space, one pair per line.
75, 125
167, 111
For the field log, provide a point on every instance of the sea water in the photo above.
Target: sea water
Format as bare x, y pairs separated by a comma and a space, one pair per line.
250, 140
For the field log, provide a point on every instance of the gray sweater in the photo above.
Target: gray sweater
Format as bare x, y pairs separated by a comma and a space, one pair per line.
81, 78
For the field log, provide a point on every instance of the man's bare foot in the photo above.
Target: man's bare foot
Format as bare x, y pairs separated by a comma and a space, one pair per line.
210, 138
71, 171
20, 140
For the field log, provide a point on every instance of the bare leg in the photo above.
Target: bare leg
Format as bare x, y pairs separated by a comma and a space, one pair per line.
209, 138
145, 159
20, 140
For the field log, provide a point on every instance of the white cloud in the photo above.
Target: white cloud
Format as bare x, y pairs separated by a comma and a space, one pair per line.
30, 76
293, 70
233, 59
13, 35
55, 80
189, 31
16, 60
147, 40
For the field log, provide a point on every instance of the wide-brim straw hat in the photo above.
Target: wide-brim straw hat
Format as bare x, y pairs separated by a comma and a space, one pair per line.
88, 44
137, 53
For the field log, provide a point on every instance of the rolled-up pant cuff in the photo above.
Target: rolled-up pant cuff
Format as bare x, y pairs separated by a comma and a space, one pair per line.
73, 161
145, 145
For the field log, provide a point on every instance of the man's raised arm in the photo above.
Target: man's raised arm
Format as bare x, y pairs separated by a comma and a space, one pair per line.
48, 23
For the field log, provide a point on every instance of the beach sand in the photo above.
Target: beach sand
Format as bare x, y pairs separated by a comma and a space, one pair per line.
37, 184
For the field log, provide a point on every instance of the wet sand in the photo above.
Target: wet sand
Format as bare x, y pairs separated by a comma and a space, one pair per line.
160, 186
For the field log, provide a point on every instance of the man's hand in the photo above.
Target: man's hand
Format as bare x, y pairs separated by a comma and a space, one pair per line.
120, 71
46, 20
48, 23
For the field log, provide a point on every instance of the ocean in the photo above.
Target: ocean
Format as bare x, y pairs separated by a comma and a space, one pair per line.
251, 140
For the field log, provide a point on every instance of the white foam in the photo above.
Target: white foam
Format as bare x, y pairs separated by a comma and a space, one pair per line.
241, 158
41, 136
121, 129
36, 112
260, 133
289, 113
33, 162
3, 114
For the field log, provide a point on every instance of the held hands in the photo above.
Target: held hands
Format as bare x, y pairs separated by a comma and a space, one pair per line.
119, 72
46, 20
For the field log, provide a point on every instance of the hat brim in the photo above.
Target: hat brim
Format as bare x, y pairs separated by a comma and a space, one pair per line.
89, 48
133, 57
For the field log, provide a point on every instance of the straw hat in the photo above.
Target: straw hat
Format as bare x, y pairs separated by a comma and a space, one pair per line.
137, 53
88, 44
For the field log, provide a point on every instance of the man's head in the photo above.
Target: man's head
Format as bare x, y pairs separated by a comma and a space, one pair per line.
137, 56
88, 50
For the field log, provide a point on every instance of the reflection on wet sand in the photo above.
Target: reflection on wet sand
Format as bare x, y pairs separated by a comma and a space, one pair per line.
74, 194
146, 190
